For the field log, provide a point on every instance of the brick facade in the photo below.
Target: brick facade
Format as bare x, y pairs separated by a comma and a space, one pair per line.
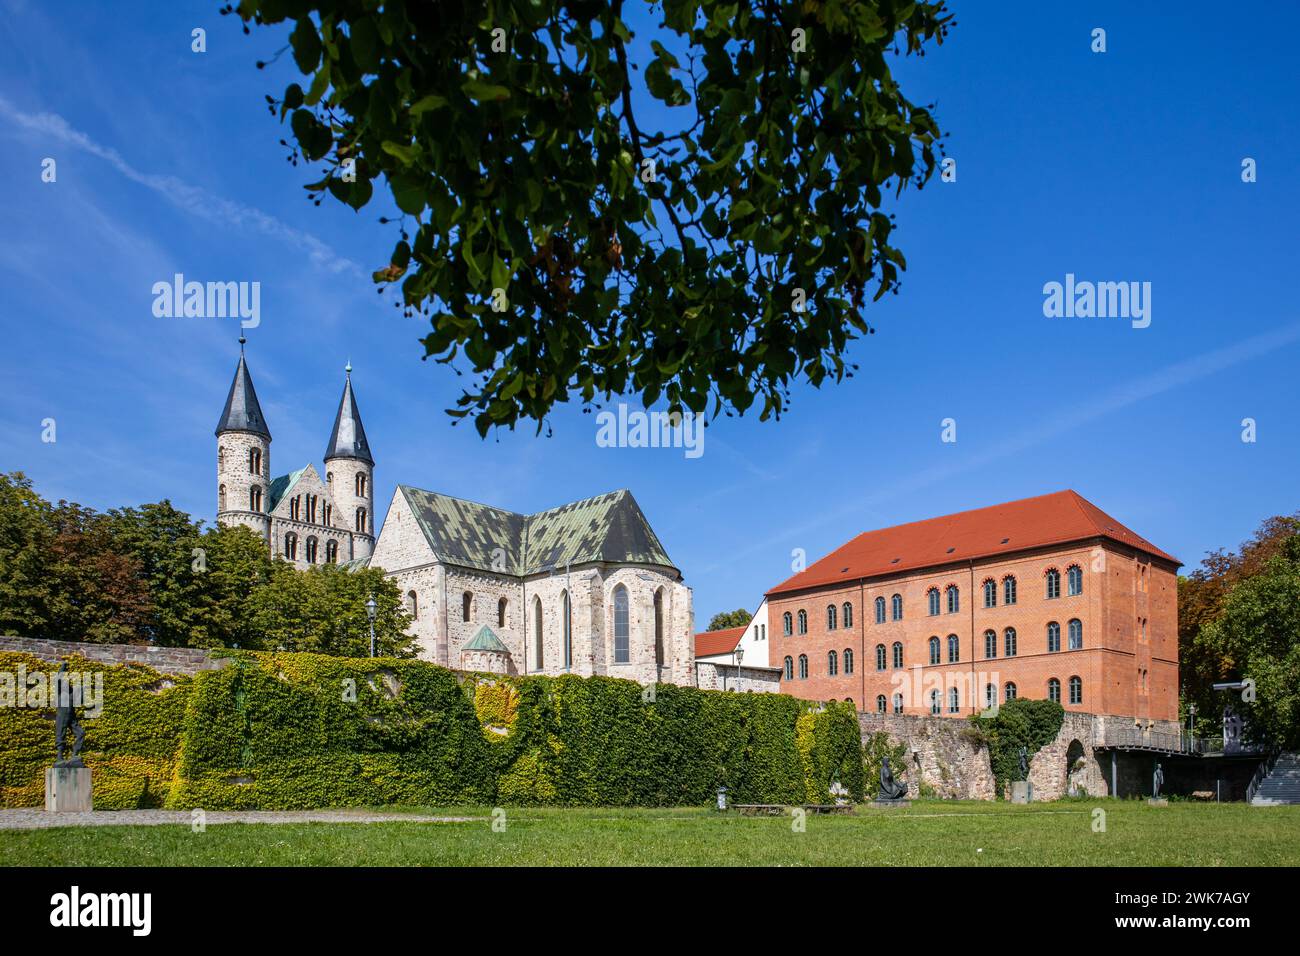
1127, 665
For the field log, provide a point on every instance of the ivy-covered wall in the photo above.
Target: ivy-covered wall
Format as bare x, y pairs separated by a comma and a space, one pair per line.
296, 731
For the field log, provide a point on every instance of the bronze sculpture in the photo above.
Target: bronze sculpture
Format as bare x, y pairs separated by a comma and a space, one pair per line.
65, 720
890, 789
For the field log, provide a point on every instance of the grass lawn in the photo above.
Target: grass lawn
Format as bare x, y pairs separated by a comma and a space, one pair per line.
928, 833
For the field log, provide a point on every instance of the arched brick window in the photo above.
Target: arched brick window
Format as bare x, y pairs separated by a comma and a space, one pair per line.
1009, 691
1009, 642
934, 650
1074, 580
786, 626
803, 666
880, 610
848, 614
1009, 589
830, 617
1076, 690
881, 659
954, 598
832, 663
1075, 632
898, 654
935, 709
898, 703
803, 621
1053, 578
954, 700
932, 601
1053, 637
1054, 690
990, 644
789, 668
848, 660
954, 649
990, 593
897, 602
881, 704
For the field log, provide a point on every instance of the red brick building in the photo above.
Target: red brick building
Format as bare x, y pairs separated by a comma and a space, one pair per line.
1043, 597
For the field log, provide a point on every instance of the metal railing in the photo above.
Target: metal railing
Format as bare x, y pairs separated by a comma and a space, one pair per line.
1261, 772
1136, 738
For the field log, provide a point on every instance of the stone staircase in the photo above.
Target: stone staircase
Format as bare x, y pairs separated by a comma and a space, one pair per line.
1282, 783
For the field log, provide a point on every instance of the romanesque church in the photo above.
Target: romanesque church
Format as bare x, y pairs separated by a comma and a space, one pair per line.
586, 588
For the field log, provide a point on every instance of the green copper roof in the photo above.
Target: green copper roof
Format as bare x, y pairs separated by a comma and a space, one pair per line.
486, 640
356, 564
283, 485
609, 528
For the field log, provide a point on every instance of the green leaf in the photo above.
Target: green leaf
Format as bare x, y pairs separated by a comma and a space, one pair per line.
477, 89
408, 192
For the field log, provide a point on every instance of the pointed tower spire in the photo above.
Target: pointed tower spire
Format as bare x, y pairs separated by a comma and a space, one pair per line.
242, 412
348, 439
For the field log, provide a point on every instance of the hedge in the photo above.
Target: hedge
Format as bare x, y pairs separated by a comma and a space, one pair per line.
301, 731
1020, 722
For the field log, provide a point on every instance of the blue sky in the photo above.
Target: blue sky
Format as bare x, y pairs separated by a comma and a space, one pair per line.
1116, 166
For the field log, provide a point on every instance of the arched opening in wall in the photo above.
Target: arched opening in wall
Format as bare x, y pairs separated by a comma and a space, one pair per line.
254, 461
659, 627
622, 627
538, 657
221, 460
1076, 767
466, 605
412, 605
502, 606
221, 498
331, 552
566, 627
311, 550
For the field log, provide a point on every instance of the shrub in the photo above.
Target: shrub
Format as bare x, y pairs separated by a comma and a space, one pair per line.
1021, 722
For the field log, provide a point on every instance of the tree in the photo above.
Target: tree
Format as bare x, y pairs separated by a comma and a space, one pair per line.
724, 619
698, 218
1257, 636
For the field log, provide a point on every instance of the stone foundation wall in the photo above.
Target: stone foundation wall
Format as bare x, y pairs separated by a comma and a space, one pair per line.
168, 660
753, 680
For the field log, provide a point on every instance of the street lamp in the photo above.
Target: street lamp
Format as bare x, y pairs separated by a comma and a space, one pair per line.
370, 613
740, 653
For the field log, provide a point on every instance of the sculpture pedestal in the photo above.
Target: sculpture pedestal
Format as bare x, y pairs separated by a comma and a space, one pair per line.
1157, 802
67, 790
1022, 791
891, 804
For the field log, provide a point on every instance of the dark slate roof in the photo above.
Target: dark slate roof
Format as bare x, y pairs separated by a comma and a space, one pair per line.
242, 412
609, 527
283, 485
348, 439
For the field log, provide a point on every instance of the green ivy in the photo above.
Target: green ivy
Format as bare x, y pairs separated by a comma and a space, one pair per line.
301, 731
1021, 722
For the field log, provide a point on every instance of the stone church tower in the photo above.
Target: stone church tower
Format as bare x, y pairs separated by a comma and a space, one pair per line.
304, 519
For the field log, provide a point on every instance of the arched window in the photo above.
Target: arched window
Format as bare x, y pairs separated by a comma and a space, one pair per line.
848, 660
1053, 637
830, 617
935, 710
295, 507
1009, 642
1009, 692
803, 621
221, 498
898, 703
848, 614
291, 546
954, 599
329, 515
880, 610
255, 498
897, 606
539, 642
932, 599
1009, 589
882, 704
881, 661
221, 460
832, 663
786, 624
566, 628
502, 606
1054, 689
659, 625
331, 552
361, 520
898, 654
466, 605
990, 593
990, 644
311, 550
803, 666
329, 480
1074, 579
361, 484
412, 605
1076, 690
954, 649
622, 627
990, 695
934, 650
254, 461
1075, 632
954, 700
789, 668
1053, 583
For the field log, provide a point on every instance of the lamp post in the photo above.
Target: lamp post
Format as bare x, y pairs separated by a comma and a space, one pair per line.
1191, 725
370, 613
740, 653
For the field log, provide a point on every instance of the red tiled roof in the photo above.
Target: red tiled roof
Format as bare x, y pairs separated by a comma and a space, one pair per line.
718, 642
1058, 518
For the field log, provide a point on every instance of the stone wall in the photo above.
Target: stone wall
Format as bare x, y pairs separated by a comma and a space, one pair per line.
168, 660
942, 759
753, 680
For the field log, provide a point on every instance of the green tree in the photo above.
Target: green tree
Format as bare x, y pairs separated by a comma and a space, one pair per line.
697, 218
1257, 636
725, 619
322, 610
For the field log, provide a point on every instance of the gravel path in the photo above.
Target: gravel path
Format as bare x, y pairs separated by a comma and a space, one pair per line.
33, 819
